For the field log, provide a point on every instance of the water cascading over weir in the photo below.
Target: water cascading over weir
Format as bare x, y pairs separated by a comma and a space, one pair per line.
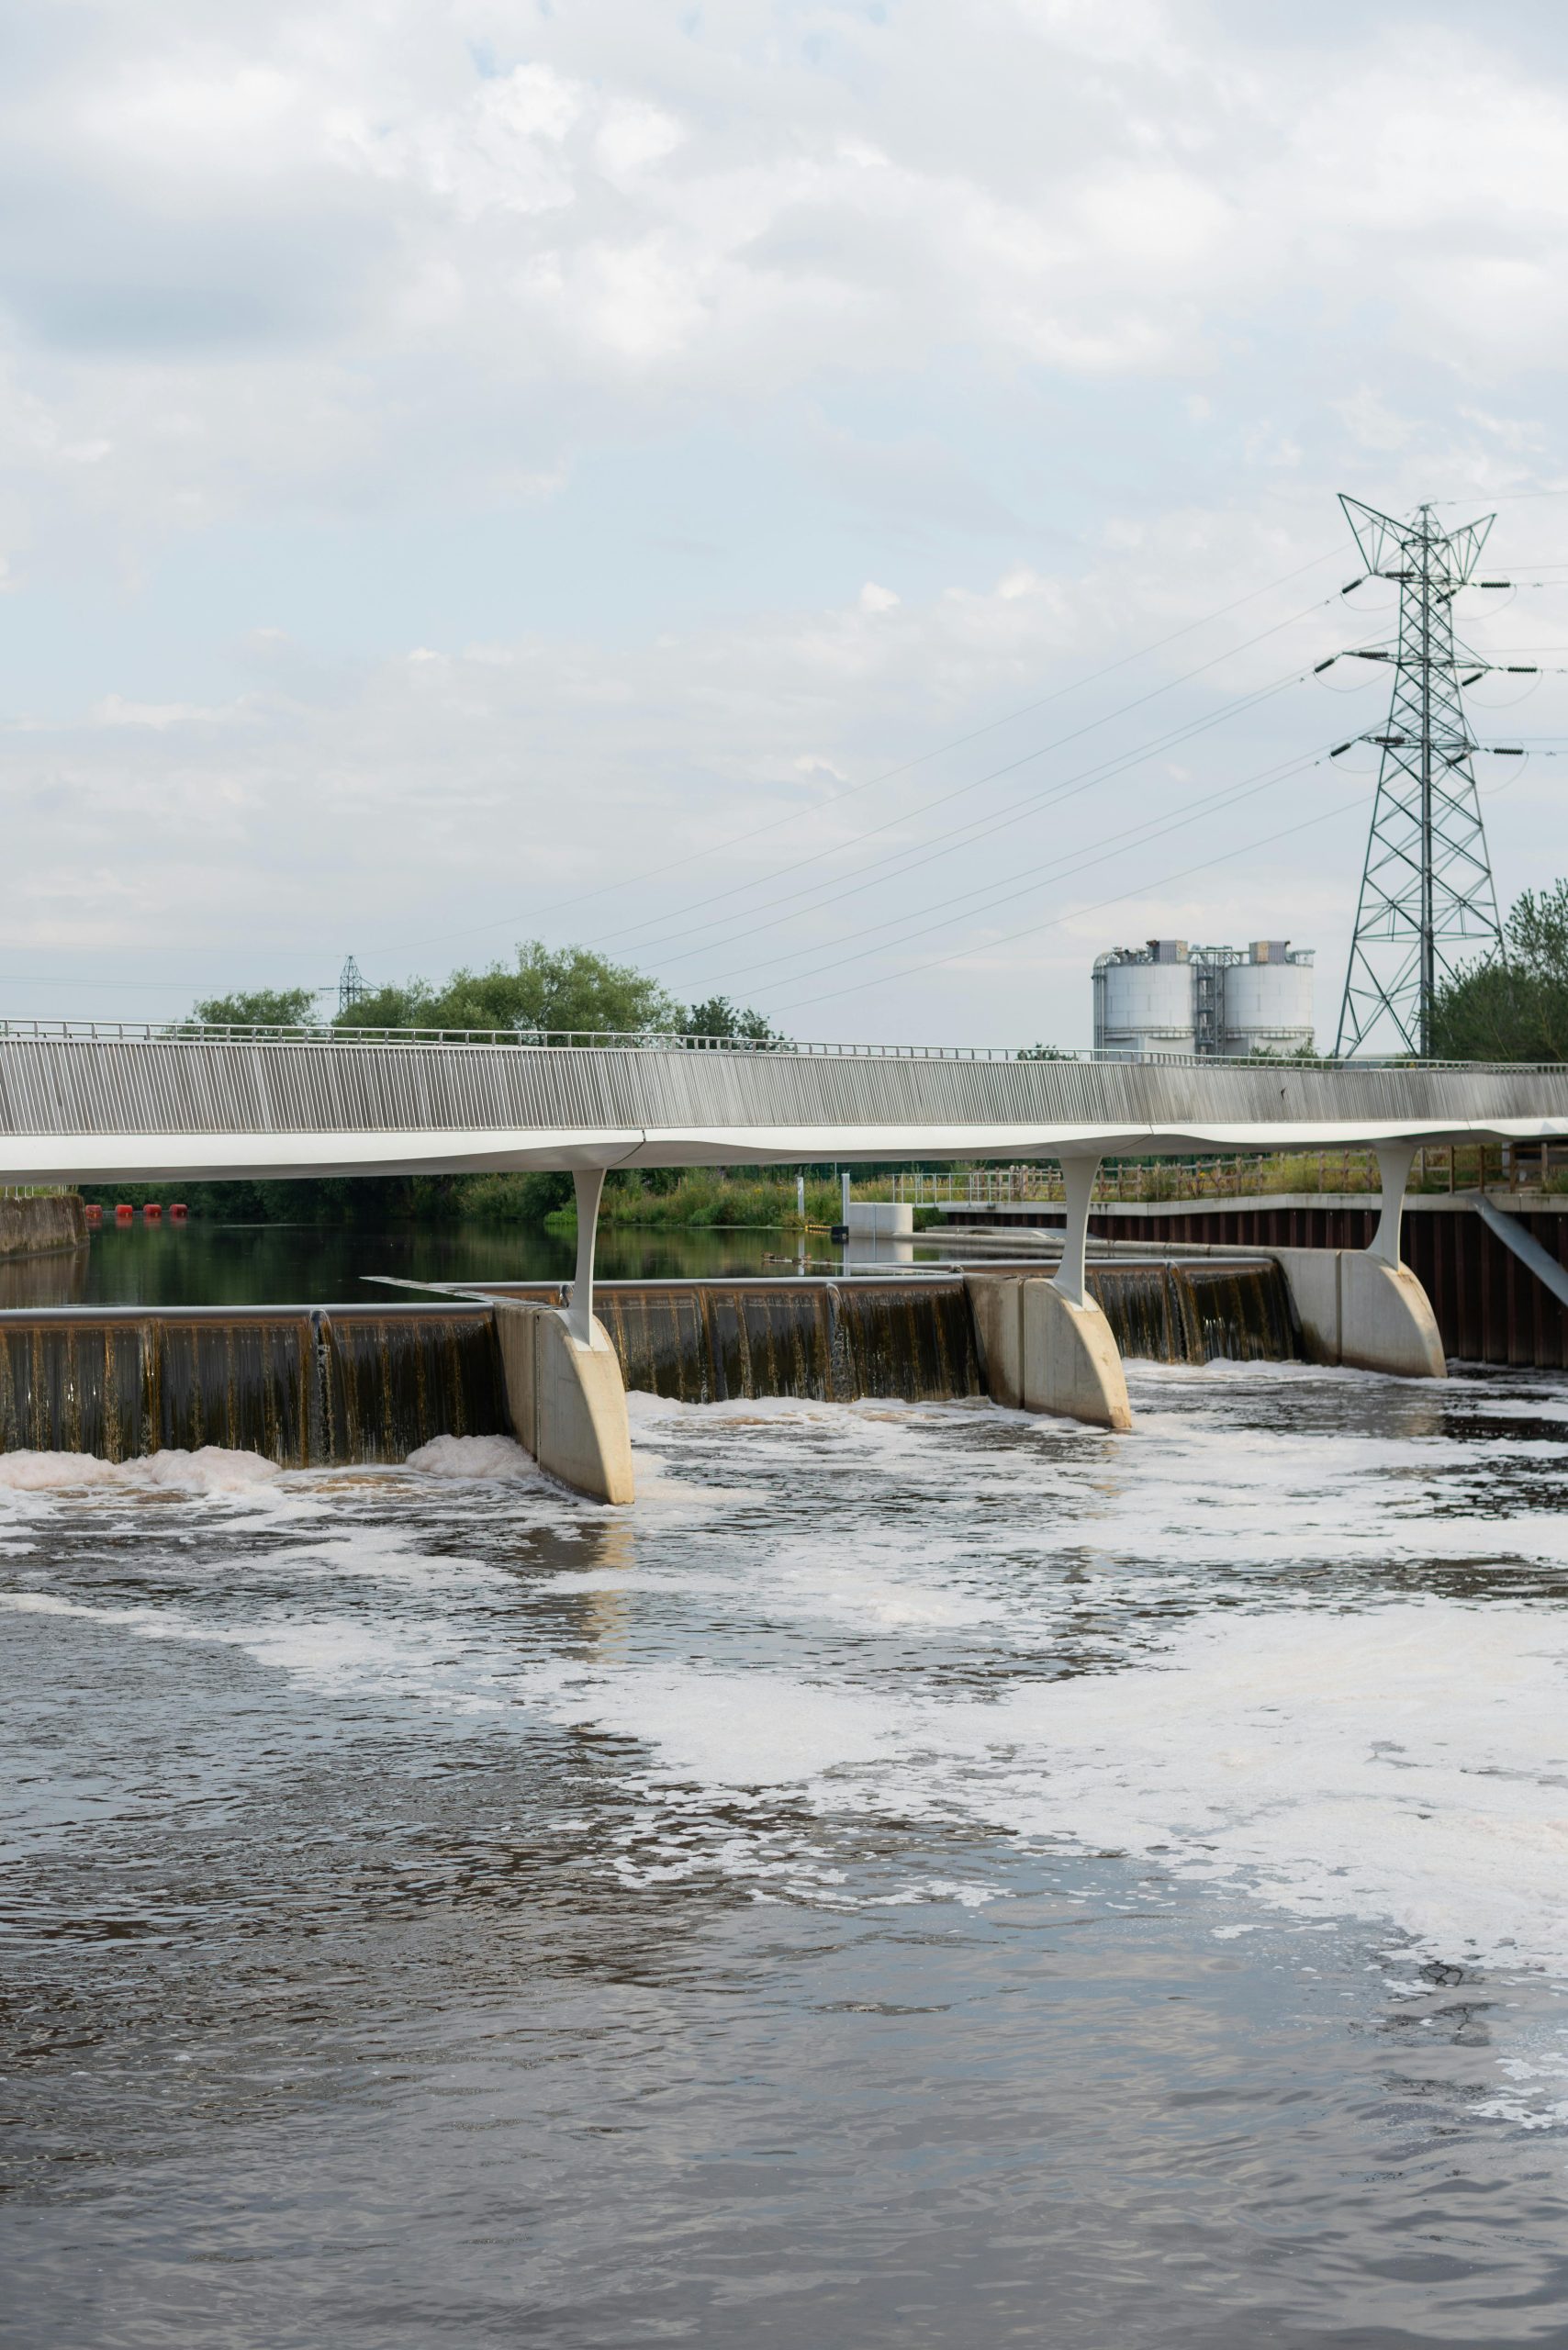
310, 1387
913, 1340
304, 1388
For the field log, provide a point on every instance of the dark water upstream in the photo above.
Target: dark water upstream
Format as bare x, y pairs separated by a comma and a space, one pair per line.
302, 1264
924, 1877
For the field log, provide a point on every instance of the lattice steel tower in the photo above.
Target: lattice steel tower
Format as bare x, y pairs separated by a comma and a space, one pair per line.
1427, 892
352, 988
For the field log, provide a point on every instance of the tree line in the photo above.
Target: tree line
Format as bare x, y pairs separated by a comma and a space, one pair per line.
549, 989
1512, 1006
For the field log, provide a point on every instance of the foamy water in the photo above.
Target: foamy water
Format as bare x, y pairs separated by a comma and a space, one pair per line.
1288, 1669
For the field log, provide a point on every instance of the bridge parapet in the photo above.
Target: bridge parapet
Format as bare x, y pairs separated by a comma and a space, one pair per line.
92, 1101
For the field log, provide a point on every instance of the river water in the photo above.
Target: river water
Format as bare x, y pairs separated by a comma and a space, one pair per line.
926, 1877
199, 1263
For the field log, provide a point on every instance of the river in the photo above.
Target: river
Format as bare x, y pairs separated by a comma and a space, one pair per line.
925, 1876
200, 1263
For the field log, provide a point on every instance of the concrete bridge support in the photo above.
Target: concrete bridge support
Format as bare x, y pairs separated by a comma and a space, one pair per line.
1045, 1346
565, 1391
1363, 1307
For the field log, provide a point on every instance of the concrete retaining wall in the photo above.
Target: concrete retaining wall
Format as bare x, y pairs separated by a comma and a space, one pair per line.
882, 1219
37, 1227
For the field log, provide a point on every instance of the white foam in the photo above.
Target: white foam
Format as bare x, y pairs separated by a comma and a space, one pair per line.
1405, 1767
476, 1457
34, 1472
211, 1469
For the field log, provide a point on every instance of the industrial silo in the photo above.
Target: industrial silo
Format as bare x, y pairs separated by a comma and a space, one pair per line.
1266, 1000
1143, 999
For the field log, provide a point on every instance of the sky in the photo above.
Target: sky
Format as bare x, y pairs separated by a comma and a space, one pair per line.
834, 504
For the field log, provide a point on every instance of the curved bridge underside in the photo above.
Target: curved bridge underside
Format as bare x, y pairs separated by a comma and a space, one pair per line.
91, 1109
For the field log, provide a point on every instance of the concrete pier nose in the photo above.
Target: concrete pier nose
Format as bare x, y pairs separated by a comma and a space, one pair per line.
1071, 1365
1041, 1351
566, 1399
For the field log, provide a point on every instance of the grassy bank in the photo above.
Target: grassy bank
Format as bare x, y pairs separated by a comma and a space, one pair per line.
702, 1199
705, 1197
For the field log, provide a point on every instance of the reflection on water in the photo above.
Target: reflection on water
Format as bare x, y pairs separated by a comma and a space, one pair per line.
296, 1264
925, 1876
58, 1278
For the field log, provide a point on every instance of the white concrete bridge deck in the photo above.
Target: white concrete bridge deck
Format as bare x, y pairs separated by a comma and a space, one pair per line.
110, 1102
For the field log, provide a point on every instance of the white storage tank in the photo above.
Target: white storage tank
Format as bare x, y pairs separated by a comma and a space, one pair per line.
1143, 999
1267, 1001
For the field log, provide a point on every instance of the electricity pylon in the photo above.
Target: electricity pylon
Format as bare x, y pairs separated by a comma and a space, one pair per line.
351, 987
1427, 892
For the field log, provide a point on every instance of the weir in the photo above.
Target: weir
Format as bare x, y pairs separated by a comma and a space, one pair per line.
1172, 1312
305, 1387
717, 1342
311, 1386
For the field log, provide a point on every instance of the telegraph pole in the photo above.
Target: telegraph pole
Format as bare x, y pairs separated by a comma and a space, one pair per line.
1428, 900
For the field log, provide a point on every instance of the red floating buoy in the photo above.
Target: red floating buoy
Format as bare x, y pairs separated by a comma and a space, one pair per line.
93, 1212
124, 1211
153, 1213
179, 1208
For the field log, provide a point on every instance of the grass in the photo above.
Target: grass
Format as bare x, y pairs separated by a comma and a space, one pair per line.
710, 1199
705, 1199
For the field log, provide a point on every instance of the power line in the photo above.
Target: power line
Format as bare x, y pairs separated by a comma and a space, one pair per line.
1062, 868
889, 775
941, 799
1104, 774
981, 828
1108, 846
1030, 930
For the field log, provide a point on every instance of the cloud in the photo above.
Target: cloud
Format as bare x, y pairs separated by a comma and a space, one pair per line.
618, 358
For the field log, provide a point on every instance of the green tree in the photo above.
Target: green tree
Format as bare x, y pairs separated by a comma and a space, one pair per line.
547, 987
1513, 1007
260, 1008
720, 1017
411, 1005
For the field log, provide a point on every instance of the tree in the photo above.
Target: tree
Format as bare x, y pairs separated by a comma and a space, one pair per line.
409, 1006
719, 1017
551, 988
260, 1008
1513, 1008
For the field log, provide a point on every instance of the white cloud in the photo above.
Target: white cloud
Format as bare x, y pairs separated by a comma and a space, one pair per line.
323, 314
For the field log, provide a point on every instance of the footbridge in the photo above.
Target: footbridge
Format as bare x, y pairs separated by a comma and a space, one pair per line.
107, 1102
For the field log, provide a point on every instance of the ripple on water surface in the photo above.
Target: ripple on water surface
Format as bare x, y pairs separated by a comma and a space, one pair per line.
924, 1870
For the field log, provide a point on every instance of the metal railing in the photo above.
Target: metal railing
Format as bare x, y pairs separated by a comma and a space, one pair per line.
1444, 1168
672, 1040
